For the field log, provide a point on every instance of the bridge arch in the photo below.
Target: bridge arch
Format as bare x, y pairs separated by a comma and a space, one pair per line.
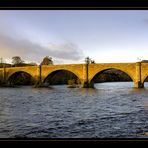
12, 77
54, 72
103, 70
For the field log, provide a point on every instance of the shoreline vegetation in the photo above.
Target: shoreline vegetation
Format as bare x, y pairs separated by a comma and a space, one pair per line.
73, 84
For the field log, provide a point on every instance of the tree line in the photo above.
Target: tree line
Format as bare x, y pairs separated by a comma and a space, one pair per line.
18, 62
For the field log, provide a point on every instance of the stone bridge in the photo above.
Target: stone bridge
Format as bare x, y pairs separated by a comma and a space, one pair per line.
138, 72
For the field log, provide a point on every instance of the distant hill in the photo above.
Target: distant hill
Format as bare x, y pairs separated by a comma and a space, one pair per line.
144, 61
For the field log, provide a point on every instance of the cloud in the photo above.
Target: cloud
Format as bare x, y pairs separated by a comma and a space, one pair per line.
68, 51
30, 51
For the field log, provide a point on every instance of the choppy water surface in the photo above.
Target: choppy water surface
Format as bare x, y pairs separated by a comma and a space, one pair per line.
113, 110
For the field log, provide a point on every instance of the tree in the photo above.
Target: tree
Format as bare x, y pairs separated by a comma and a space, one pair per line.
87, 60
47, 61
16, 60
92, 62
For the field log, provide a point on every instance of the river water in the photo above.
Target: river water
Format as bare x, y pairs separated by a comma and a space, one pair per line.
112, 110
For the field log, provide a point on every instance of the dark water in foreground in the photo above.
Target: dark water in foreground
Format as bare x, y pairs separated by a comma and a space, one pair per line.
113, 110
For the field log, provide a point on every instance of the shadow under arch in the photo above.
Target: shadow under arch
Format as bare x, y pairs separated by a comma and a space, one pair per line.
127, 76
61, 76
20, 78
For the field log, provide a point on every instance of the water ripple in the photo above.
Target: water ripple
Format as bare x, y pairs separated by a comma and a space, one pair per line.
114, 110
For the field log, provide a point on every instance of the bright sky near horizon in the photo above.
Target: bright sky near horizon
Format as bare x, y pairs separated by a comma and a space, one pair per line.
68, 36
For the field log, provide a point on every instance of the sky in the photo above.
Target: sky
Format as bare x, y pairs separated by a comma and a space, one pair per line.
68, 36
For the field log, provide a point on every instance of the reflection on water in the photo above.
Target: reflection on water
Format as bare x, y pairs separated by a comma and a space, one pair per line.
88, 91
112, 110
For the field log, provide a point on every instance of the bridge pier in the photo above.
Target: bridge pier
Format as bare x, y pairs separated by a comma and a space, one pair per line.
86, 84
39, 77
138, 83
38, 84
3, 80
85, 81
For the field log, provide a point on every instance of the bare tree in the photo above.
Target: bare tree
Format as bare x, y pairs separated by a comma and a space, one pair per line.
47, 61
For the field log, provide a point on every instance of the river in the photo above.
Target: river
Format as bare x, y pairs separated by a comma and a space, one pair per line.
112, 110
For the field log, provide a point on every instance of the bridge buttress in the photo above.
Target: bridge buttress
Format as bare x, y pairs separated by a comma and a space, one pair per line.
85, 82
138, 83
3, 75
38, 79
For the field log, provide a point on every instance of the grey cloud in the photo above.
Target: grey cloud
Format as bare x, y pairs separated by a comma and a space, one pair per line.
10, 47
68, 51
